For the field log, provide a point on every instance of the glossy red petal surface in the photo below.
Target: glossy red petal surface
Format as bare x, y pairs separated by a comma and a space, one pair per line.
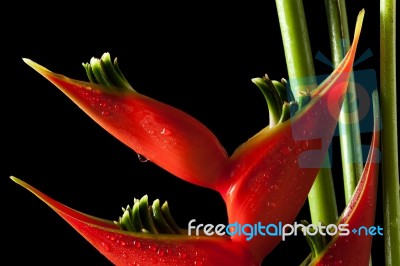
355, 248
125, 248
163, 134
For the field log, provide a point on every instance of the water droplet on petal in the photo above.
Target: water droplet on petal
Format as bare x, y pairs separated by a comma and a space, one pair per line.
105, 246
165, 131
136, 243
160, 252
142, 159
286, 150
305, 145
105, 113
198, 262
182, 255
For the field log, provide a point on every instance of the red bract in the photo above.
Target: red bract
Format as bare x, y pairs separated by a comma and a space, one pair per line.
360, 212
163, 134
126, 248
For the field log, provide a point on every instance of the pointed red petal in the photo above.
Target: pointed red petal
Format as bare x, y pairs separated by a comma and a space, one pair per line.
272, 173
126, 248
163, 134
355, 248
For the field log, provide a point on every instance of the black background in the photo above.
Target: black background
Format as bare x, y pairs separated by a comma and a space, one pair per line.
197, 57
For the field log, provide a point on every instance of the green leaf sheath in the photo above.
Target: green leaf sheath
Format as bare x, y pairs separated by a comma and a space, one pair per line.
349, 129
390, 163
302, 80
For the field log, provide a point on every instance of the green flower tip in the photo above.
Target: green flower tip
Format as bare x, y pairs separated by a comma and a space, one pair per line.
143, 218
41, 69
107, 73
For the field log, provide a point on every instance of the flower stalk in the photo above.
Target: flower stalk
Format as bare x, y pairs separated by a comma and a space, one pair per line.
349, 129
302, 80
390, 163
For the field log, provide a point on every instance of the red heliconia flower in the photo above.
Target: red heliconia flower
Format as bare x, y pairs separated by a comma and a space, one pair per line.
266, 180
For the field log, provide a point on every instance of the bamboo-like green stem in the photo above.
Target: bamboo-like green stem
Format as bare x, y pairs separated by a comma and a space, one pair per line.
302, 78
349, 129
321, 190
297, 47
390, 164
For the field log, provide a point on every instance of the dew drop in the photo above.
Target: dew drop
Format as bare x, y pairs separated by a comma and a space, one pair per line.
152, 248
136, 243
160, 252
105, 113
103, 104
142, 159
305, 145
182, 255
165, 131
122, 243
274, 187
105, 246
168, 251
198, 262
286, 150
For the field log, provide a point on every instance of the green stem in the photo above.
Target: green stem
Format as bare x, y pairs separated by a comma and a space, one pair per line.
325, 211
296, 44
390, 166
302, 79
349, 129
